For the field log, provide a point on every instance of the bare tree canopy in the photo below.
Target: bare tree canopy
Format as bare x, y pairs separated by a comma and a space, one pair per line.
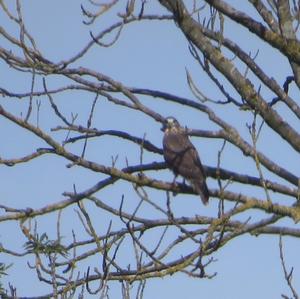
89, 208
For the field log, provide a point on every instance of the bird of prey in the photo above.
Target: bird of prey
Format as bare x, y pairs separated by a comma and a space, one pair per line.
182, 157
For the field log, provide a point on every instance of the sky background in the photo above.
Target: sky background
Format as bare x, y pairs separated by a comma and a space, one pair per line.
150, 55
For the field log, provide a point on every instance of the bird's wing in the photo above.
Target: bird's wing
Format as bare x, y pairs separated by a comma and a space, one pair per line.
181, 155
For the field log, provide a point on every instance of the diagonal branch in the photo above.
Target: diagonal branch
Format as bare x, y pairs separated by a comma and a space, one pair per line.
244, 87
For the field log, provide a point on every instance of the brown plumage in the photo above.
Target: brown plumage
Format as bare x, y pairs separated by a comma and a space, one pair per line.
182, 157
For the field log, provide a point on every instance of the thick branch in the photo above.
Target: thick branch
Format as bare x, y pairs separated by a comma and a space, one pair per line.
244, 87
289, 47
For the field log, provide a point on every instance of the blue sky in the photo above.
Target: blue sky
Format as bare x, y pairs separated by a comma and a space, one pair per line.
148, 55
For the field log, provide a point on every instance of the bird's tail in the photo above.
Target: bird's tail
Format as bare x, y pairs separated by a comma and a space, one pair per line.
200, 187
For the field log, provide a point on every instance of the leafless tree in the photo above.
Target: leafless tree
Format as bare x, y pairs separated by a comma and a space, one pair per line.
259, 105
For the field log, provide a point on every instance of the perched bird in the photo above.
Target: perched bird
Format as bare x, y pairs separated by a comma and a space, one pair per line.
182, 157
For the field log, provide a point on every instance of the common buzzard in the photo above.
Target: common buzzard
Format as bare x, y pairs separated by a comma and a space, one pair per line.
182, 157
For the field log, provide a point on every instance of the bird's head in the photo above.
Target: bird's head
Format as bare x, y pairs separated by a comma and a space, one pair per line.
170, 123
